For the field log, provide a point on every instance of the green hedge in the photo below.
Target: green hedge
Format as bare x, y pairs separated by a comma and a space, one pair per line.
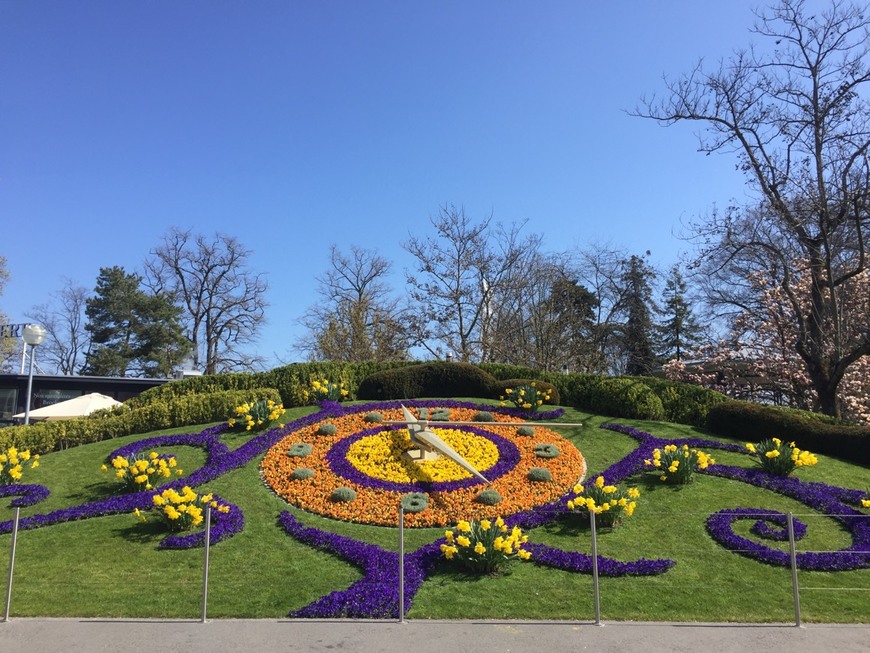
613, 396
682, 403
182, 410
749, 422
436, 379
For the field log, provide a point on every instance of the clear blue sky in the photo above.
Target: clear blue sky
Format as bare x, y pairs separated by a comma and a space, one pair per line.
294, 125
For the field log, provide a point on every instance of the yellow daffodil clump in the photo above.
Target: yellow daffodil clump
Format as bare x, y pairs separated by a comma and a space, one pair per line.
608, 502
12, 465
484, 546
183, 511
325, 390
780, 458
138, 473
256, 415
676, 465
526, 397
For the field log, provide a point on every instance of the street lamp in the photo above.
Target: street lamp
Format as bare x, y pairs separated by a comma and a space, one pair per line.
33, 335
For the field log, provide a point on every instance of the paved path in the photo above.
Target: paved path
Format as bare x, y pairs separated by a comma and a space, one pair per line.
267, 636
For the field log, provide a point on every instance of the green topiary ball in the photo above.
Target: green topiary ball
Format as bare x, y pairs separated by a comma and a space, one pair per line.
343, 495
488, 497
483, 416
415, 502
546, 450
300, 450
526, 430
327, 429
301, 473
374, 416
540, 475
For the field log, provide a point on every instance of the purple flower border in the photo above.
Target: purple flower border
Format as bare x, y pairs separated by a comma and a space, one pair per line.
376, 594
828, 500
336, 457
27, 494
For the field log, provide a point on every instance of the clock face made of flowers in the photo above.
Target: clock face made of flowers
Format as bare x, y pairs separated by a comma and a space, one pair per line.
350, 469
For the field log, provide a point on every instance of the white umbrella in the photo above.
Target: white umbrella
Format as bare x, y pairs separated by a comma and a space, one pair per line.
71, 408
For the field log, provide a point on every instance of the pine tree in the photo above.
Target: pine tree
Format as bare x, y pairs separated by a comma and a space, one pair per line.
638, 306
679, 330
132, 332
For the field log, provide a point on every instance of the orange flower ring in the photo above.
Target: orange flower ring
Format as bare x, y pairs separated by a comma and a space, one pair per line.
366, 458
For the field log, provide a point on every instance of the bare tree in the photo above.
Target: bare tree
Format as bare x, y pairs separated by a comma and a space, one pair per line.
461, 271
224, 301
547, 322
8, 346
797, 119
357, 318
66, 339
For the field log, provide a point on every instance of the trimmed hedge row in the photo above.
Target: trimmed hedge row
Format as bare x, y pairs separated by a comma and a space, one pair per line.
613, 396
436, 379
749, 422
126, 419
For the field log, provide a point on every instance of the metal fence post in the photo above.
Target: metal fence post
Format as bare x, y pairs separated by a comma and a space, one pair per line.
205, 563
794, 577
595, 594
11, 564
401, 565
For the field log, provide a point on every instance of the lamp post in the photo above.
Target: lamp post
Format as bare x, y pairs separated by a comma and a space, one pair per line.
33, 335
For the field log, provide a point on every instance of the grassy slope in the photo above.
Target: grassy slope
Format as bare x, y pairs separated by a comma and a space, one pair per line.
109, 566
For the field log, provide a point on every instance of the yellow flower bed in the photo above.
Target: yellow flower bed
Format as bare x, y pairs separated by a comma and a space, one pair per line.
381, 456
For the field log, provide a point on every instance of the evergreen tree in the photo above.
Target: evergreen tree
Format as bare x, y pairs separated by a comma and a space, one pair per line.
131, 331
638, 307
679, 330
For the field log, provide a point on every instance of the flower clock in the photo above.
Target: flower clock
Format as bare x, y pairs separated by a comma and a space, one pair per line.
359, 464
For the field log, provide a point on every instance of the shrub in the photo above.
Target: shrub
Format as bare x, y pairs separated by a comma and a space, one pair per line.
608, 502
142, 472
677, 465
301, 473
483, 416
780, 458
327, 429
300, 450
526, 431
11, 467
683, 403
540, 475
488, 497
414, 502
613, 396
743, 420
373, 416
343, 494
546, 450
434, 379
484, 546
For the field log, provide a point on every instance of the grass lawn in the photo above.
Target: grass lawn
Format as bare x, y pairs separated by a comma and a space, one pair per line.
110, 566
